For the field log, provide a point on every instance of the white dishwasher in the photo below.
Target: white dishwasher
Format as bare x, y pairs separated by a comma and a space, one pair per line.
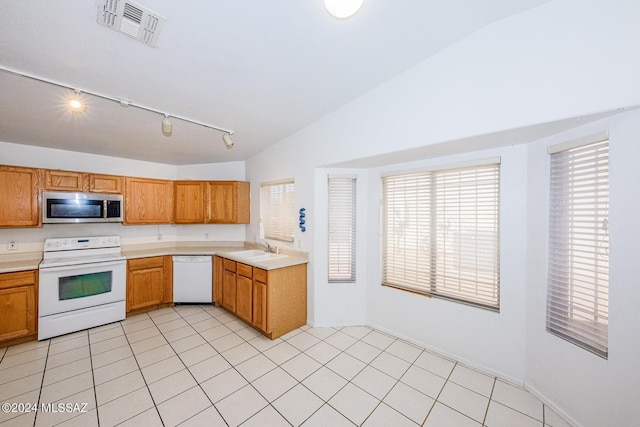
192, 279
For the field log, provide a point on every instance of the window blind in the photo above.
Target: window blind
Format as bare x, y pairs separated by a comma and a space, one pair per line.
441, 233
277, 210
578, 272
342, 229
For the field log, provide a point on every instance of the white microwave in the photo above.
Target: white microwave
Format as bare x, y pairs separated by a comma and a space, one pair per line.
61, 207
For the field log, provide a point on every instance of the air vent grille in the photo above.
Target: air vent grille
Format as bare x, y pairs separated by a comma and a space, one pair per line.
131, 19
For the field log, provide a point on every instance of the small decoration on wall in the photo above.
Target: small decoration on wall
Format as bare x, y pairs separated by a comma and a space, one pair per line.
303, 228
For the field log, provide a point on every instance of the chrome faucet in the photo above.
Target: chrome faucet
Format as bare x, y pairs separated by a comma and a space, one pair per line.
268, 249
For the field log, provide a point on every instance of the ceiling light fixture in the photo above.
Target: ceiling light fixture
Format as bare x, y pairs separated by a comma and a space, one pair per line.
343, 9
76, 104
228, 141
167, 126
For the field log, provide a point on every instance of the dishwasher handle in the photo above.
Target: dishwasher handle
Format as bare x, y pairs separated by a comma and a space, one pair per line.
192, 258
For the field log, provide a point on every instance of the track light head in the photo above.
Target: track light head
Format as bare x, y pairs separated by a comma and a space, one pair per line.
76, 103
228, 141
167, 126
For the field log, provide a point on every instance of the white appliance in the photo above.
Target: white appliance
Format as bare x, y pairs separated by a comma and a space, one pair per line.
192, 279
82, 284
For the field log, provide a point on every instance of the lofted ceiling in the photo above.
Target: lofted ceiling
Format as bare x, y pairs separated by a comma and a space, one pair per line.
263, 69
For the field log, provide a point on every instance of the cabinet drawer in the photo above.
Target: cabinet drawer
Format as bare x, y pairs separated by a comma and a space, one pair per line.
20, 278
245, 270
145, 263
229, 265
260, 275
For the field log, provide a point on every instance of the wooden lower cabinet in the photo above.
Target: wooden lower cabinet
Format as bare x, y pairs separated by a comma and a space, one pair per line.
149, 283
273, 301
18, 306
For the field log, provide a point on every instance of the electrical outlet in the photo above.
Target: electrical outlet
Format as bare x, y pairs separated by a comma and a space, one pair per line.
12, 245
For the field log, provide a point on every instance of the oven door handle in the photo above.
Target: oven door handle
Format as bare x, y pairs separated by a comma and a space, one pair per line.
82, 266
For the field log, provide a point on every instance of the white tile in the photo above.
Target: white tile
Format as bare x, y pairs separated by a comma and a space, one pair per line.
303, 341
436, 364
379, 340
274, 384
262, 343
135, 319
325, 383
300, 366
143, 334
66, 371
282, 352
473, 380
148, 344
340, 340
374, 382
162, 369
155, 355
223, 385
363, 351
106, 334
357, 332
464, 400
20, 420
68, 343
179, 334
29, 397
390, 365
111, 356
255, 367
236, 325
67, 387
109, 345
27, 346
187, 310
423, 381
209, 368
85, 419
346, 366
197, 354
227, 342
183, 406
114, 370
197, 317
518, 399
118, 387
67, 357
225, 317
503, 416
84, 400
326, 416
321, 333
148, 418
171, 386
138, 326
297, 404
248, 333
385, 416
266, 417
551, 418
291, 334
165, 317
24, 357
404, 351
240, 353
354, 403
187, 343
209, 417
241, 405
24, 370
322, 352
443, 416
409, 402
125, 407
20, 386
172, 325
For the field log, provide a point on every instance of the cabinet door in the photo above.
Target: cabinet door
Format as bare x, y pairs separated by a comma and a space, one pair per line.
217, 279
188, 202
105, 184
63, 180
19, 193
260, 319
227, 202
17, 305
229, 290
145, 288
147, 201
244, 298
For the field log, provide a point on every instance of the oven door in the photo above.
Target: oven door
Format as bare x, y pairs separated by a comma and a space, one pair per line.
73, 287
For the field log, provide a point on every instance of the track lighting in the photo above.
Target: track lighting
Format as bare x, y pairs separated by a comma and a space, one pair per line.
167, 126
343, 9
76, 104
228, 141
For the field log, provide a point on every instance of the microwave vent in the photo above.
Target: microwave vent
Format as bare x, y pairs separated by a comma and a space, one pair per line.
131, 19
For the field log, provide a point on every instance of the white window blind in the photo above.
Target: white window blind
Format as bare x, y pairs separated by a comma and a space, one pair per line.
277, 210
342, 229
578, 282
441, 233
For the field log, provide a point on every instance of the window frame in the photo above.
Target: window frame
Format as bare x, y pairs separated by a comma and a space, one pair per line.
277, 210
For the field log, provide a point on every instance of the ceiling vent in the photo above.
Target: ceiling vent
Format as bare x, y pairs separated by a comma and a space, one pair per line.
131, 19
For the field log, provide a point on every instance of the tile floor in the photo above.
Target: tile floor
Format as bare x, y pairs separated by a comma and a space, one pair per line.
196, 365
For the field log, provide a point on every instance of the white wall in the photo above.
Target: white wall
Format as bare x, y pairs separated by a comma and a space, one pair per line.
32, 239
591, 390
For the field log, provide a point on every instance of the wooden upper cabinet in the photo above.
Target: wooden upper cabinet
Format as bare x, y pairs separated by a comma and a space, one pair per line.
19, 197
227, 202
188, 202
148, 201
105, 183
58, 180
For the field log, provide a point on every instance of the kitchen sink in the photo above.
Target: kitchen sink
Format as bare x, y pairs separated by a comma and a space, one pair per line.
249, 253
257, 255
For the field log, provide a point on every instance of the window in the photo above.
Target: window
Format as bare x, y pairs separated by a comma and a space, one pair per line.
277, 212
578, 282
440, 233
342, 229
